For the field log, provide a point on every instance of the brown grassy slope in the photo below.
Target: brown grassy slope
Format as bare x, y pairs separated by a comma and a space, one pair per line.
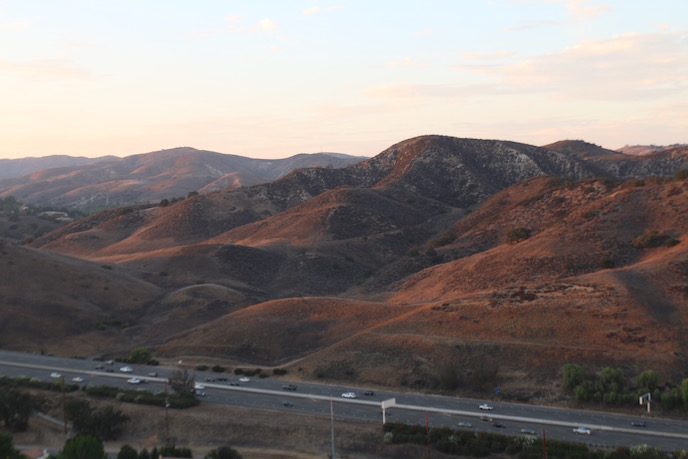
515, 313
49, 299
280, 331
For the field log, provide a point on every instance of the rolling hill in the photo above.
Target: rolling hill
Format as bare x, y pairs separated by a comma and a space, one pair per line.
393, 270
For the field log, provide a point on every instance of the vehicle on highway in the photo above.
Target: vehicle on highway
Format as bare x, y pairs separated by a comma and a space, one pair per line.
369, 393
244, 379
287, 404
486, 418
200, 393
464, 424
638, 423
486, 407
109, 370
100, 366
222, 379
199, 386
77, 379
527, 431
134, 381
290, 387
498, 425
233, 383
581, 431
126, 369
153, 374
55, 374
349, 395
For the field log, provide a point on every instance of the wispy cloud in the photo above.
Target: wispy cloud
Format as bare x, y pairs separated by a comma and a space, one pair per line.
45, 70
312, 10
235, 24
622, 67
424, 32
315, 9
586, 8
408, 62
15, 25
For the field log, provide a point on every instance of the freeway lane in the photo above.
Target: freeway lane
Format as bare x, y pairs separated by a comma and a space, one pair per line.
608, 429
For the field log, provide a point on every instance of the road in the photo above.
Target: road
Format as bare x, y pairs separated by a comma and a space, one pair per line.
608, 430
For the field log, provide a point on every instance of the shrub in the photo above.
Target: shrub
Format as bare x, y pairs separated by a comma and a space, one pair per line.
681, 174
201, 367
445, 238
649, 239
219, 369
517, 235
606, 263
573, 375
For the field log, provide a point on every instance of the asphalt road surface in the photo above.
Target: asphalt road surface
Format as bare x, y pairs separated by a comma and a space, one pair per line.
608, 430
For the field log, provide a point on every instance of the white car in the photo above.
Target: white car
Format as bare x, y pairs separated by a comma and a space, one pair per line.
198, 386
126, 369
527, 431
134, 381
486, 407
244, 379
77, 379
349, 395
55, 374
581, 431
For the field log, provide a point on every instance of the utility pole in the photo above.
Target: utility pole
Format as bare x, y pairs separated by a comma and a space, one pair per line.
332, 424
64, 405
167, 418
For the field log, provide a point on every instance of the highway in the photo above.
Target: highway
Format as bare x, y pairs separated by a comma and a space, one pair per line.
608, 430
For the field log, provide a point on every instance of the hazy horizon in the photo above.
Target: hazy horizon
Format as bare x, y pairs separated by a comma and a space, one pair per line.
272, 79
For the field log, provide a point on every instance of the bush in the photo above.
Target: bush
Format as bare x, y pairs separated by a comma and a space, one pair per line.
650, 239
574, 375
218, 369
606, 263
681, 174
517, 235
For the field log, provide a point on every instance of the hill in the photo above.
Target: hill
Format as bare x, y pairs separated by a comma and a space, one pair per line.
394, 269
150, 177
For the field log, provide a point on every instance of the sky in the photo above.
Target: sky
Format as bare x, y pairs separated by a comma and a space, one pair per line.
274, 78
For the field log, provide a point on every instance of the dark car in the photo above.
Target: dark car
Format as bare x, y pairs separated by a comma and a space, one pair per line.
486, 418
233, 383
498, 425
369, 393
638, 423
287, 404
290, 387
109, 370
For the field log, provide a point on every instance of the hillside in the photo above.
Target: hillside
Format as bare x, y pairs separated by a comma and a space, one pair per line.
394, 269
149, 177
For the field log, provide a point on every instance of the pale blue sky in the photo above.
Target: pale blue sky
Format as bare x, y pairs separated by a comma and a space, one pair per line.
270, 79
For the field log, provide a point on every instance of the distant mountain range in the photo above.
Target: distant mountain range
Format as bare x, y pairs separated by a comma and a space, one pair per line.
439, 252
88, 184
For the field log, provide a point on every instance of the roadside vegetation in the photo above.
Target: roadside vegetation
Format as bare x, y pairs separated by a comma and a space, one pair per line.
485, 444
611, 387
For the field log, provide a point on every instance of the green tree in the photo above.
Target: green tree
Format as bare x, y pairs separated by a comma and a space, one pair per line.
105, 423
127, 452
224, 452
573, 375
648, 381
15, 409
684, 392
7, 449
139, 355
173, 451
83, 446
144, 454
